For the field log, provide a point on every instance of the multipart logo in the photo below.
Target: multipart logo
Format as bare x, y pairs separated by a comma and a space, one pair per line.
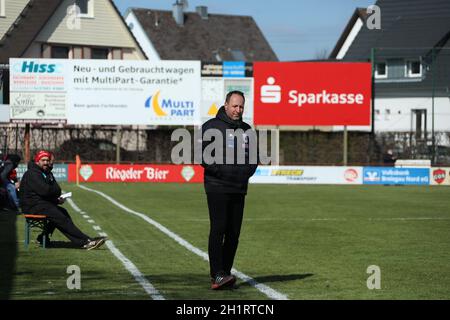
169, 107
33, 67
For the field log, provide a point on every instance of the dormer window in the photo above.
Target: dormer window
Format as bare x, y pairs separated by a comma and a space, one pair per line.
413, 69
237, 55
381, 70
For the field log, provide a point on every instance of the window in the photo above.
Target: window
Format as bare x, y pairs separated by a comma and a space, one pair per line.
83, 5
86, 8
381, 70
238, 55
419, 118
2, 8
387, 114
117, 54
413, 69
59, 52
98, 53
86, 53
77, 52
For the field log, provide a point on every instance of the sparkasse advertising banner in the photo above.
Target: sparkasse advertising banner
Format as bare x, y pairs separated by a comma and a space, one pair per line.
312, 93
106, 92
137, 173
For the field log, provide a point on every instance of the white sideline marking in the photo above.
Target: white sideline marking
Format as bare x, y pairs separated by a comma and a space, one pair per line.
91, 221
148, 287
271, 293
97, 228
86, 216
325, 219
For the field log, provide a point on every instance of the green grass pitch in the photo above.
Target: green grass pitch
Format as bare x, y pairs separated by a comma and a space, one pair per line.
304, 241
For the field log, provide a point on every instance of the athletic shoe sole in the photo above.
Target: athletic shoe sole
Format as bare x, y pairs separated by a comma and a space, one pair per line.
229, 281
97, 244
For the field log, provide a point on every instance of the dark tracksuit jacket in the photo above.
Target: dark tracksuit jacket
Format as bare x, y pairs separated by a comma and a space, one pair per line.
37, 190
226, 178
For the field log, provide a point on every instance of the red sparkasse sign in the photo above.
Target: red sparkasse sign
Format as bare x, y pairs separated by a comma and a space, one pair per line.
137, 173
312, 93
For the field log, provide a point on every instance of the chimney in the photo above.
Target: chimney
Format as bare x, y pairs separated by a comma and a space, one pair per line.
178, 13
202, 12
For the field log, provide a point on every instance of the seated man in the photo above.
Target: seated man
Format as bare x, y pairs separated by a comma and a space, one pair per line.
40, 194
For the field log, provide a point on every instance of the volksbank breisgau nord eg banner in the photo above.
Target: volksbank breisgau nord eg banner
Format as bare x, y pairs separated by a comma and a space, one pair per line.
106, 92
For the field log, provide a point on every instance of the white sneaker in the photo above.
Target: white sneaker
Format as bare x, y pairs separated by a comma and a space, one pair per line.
92, 244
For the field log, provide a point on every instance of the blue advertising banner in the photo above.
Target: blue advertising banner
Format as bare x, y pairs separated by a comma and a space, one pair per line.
234, 69
396, 176
60, 172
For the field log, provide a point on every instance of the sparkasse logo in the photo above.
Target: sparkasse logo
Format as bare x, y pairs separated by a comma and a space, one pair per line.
324, 97
271, 93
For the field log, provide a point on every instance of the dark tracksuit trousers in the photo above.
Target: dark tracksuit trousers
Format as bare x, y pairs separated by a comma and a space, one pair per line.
225, 212
60, 219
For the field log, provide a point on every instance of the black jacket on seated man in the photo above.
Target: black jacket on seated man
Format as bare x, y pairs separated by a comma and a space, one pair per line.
37, 190
39, 194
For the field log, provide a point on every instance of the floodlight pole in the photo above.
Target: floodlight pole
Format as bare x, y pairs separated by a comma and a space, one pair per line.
433, 140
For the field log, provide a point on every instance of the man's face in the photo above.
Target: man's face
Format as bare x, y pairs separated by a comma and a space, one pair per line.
235, 107
43, 163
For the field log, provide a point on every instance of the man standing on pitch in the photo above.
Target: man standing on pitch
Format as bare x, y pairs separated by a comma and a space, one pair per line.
226, 185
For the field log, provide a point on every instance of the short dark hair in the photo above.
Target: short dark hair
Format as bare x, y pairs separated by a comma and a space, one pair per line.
229, 94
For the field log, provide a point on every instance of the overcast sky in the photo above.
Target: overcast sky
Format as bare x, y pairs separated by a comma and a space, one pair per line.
296, 29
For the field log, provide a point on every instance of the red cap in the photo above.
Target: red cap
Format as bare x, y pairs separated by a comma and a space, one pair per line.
41, 154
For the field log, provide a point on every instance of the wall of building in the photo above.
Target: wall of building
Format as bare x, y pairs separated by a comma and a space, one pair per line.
104, 28
12, 11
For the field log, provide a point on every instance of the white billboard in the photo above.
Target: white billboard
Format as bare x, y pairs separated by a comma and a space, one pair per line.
307, 175
106, 92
